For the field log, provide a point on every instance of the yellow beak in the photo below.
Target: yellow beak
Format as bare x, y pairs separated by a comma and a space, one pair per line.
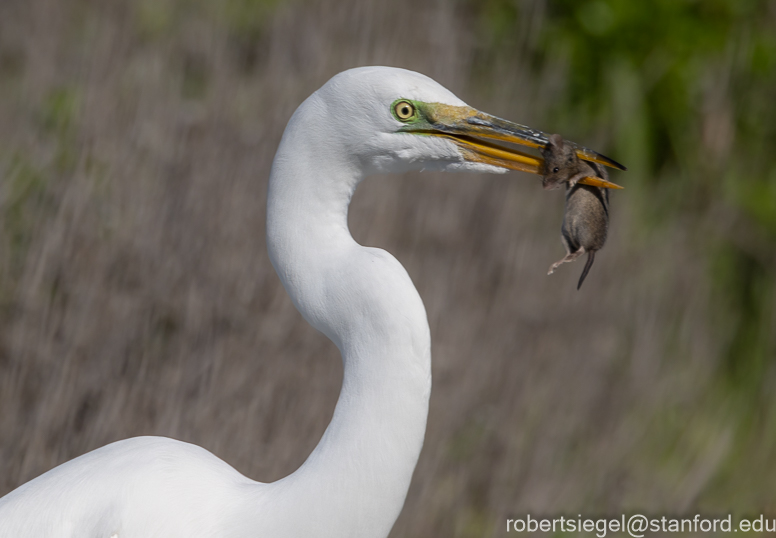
467, 127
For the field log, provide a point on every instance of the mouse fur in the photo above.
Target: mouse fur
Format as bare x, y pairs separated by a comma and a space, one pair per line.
586, 215
562, 165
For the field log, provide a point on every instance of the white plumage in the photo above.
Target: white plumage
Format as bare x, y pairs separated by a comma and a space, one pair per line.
355, 481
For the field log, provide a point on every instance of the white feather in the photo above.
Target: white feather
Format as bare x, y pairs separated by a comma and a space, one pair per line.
354, 483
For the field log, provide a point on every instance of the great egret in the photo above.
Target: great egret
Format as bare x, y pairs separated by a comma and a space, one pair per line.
363, 121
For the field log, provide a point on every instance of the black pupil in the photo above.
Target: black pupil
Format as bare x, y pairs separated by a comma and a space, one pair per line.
556, 169
405, 110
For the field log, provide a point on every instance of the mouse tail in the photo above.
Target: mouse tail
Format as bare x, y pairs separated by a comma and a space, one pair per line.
588, 265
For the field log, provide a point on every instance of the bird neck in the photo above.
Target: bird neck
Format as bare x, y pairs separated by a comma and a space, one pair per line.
355, 481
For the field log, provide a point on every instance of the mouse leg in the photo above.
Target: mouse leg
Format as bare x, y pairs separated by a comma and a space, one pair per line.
570, 257
577, 177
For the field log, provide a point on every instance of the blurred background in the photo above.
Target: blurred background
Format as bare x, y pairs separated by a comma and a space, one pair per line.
136, 296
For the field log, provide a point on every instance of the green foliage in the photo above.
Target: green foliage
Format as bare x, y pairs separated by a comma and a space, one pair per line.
58, 110
465, 443
154, 17
25, 200
473, 523
244, 21
678, 52
743, 281
651, 72
685, 89
757, 199
685, 93
195, 78
58, 115
28, 195
247, 17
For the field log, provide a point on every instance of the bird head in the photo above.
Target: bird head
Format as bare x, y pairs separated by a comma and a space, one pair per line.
393, 120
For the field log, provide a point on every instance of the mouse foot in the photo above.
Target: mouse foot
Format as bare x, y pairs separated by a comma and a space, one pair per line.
570, 257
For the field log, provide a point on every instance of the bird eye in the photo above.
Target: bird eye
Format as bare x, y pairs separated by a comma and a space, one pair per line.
404, 110
555, 170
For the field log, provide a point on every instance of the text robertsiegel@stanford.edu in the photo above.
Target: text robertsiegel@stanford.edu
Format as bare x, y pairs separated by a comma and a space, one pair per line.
639, 525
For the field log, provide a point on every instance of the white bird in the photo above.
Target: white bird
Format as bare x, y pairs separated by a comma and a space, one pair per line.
363, 121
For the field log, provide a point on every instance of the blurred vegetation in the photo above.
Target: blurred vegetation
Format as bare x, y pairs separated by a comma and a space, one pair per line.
134, 288
687, 89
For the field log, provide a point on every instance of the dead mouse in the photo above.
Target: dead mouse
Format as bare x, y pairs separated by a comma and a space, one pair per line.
562, 165
585, 225
586, 217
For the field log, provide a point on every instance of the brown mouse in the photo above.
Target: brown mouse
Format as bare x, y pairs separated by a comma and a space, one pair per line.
562, 165
586, 217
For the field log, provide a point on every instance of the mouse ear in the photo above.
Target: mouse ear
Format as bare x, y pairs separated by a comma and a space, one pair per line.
557, 141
